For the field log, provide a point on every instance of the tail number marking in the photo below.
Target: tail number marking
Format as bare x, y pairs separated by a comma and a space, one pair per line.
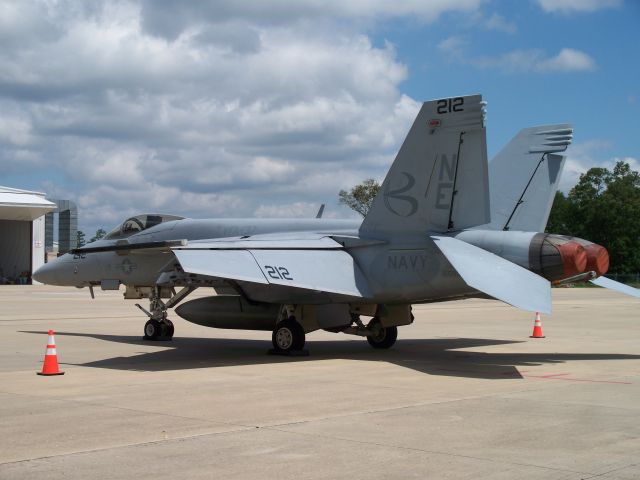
448, 105
278, 273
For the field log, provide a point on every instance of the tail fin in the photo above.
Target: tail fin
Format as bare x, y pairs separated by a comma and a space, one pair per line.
524, 178
439, 180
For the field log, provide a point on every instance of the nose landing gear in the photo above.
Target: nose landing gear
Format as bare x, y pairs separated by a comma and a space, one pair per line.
158, 330
159, 327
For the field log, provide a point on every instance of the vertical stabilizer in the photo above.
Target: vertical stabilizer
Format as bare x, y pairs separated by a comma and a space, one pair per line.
524, 177
439, 180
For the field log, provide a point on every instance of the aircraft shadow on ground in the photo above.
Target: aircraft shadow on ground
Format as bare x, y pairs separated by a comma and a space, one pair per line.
442, 356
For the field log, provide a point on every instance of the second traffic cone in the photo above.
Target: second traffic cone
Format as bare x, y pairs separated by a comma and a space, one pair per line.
50, 366
537, 327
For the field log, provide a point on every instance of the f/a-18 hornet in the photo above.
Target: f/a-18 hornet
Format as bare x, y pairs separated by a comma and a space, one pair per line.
429, 236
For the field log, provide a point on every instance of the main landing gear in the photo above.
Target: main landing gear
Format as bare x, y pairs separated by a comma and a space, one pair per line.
381, 337
288, 338
159, 327
377, 334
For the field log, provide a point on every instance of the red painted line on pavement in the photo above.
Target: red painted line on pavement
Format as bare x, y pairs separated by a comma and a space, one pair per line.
550, 376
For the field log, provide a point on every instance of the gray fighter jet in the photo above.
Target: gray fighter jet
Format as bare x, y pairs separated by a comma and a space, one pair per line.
429, 236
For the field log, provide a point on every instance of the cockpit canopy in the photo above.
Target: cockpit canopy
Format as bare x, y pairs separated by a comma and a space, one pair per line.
139, 223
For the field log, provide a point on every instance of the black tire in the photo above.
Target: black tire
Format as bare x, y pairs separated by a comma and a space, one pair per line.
169, 329
152, 330
288, 336
385, 336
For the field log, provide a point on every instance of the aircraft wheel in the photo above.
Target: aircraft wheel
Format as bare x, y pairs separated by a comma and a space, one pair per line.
152, 330
288, 336
383, 337
168, 328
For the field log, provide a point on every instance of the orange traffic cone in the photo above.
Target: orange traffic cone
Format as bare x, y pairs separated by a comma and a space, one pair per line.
537, 327
50, 366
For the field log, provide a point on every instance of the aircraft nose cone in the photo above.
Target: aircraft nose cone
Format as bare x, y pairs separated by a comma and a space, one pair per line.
46, 274
56, 272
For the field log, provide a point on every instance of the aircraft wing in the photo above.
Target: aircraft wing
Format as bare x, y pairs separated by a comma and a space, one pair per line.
495, 276
317, 264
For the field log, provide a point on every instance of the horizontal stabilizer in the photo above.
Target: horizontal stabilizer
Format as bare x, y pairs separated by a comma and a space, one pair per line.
617, 286
496, 276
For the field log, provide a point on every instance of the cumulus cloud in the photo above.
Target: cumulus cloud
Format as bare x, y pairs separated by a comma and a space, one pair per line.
500, 23
583, 156
566, 60
201, 108
453, 46
517, 61
169, 18
567, 6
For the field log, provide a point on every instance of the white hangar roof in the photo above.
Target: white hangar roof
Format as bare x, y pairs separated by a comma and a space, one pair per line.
16, 204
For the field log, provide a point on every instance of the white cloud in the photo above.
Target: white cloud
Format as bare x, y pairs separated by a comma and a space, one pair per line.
282, 112
567, 60
567, 6
500, 23
169, 19
583, 156
453, 46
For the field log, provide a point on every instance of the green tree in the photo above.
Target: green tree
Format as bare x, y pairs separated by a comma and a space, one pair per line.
604, 207
557, 222
99, 234
360, 197
80, 241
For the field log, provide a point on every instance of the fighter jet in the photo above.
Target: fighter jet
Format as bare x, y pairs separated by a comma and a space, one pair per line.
429, 236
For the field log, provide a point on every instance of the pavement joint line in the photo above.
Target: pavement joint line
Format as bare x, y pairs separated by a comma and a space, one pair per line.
343, 415
433, 452
503, 395
398, 407
611, 471
577, 403
104, 405
249, 429
128, 445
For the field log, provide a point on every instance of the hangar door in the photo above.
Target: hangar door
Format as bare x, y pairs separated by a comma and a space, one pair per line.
15, 249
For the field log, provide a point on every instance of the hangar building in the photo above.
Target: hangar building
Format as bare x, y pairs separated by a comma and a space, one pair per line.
22, 233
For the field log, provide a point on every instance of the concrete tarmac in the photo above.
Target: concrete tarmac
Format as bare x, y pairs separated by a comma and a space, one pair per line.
464, 394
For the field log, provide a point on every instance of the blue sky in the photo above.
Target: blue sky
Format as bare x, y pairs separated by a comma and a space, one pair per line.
602, 103
223, 108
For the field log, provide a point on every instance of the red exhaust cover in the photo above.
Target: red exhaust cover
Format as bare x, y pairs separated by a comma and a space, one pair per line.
597, 258
574, 258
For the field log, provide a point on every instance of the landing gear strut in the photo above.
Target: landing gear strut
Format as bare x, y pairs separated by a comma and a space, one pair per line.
159, 327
